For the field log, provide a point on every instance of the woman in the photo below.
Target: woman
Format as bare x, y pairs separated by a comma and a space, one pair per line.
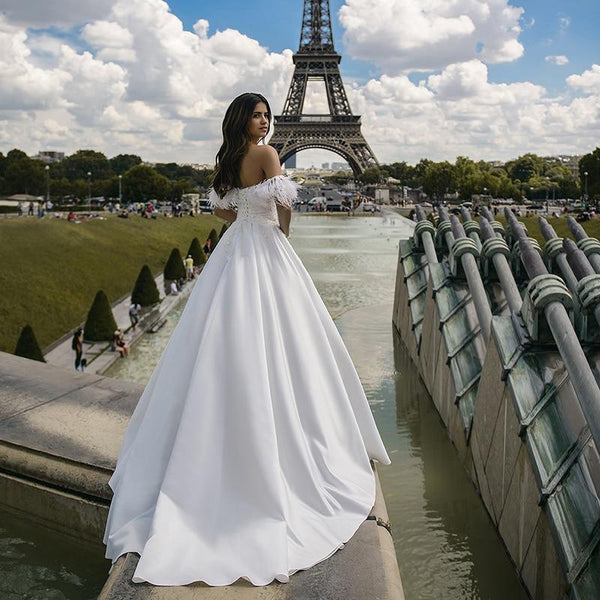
248, 452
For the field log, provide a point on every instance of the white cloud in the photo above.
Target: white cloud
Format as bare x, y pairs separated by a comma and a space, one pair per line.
459, 111
564, 22
23, 86
559, 60
145, 85
64, 13
410, 35
588, 81
113, 41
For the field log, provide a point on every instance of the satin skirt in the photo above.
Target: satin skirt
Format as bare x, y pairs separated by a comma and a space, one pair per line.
248, 452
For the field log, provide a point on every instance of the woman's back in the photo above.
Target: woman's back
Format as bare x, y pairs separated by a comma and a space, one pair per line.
258, 165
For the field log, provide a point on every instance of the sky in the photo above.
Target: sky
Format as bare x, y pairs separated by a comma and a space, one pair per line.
489, 79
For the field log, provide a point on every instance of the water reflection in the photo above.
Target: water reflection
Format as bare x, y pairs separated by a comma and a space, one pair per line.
445, 542
37, 563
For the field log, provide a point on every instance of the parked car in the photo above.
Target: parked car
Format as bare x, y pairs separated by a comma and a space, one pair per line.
370, 207
204, 206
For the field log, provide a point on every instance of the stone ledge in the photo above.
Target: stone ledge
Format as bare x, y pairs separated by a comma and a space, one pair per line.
364, 569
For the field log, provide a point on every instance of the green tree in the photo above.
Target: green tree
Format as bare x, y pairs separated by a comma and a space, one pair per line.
27, 345
123, 162
525, 167
469, 178
214, 239
78, 165
223, 230
371, 175
590, 163
174, 269
145, 292
403, 172
79, 189
143, 183
196, 252
24, 175
439, 179
59, 188
100, 323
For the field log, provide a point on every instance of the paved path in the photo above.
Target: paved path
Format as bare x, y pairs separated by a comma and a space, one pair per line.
98, 354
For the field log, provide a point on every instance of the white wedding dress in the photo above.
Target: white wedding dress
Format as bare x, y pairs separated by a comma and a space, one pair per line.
248, 452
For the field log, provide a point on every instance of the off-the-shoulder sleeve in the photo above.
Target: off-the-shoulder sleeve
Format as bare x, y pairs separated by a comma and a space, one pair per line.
216, 201
283, 189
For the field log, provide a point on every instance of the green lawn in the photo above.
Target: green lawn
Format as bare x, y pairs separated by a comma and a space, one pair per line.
52, 269
592, 227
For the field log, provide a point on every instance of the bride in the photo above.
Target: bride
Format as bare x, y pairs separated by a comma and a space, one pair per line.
248, 453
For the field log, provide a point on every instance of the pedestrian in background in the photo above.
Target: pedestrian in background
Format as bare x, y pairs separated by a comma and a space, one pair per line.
77, 345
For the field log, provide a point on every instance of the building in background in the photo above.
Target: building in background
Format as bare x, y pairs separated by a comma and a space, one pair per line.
50, 156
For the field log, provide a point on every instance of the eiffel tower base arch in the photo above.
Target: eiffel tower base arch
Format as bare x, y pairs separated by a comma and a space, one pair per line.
344, 139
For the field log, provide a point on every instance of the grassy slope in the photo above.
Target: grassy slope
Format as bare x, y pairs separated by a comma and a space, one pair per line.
51, 269
592, 227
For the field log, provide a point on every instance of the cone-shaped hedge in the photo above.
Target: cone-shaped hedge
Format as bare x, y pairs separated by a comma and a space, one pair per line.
145, 292
196, 252
214, 239
174, 268
100, 324
223, 230
27, 345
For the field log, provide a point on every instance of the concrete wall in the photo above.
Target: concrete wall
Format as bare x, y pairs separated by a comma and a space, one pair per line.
60, 433
485, 428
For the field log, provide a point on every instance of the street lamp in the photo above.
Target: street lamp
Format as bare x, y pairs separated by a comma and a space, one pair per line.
89, 191
47, 169
120, 190
586, 187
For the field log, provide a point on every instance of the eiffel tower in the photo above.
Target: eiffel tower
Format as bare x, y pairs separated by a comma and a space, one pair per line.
339, 130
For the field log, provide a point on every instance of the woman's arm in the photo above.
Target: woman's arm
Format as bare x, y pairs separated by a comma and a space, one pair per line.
226, 213
272, 167
285, 218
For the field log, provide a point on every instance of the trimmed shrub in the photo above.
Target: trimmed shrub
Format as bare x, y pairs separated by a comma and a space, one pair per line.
223, 230
145, 292
214, 239
27, 345
196, 252
174, 269
100, 324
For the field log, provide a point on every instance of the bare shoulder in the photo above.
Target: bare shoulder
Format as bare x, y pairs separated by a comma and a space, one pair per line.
268, 158
265, 152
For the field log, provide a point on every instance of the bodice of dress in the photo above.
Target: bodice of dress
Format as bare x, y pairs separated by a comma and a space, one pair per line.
257, 203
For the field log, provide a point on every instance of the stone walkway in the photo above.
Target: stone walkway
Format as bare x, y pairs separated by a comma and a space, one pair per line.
98, 354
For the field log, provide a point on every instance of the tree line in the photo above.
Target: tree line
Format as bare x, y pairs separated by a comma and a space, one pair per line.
68, 179
528, 176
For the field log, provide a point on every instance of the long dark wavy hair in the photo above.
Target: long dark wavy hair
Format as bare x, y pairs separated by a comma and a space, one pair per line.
236, 139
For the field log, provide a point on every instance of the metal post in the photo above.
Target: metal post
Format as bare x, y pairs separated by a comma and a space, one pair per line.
470, 226
448, 236
557, 254
487, 213
507, 280
426, 238
581, 267
580, 374
47, 169
589, 245
480, 299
